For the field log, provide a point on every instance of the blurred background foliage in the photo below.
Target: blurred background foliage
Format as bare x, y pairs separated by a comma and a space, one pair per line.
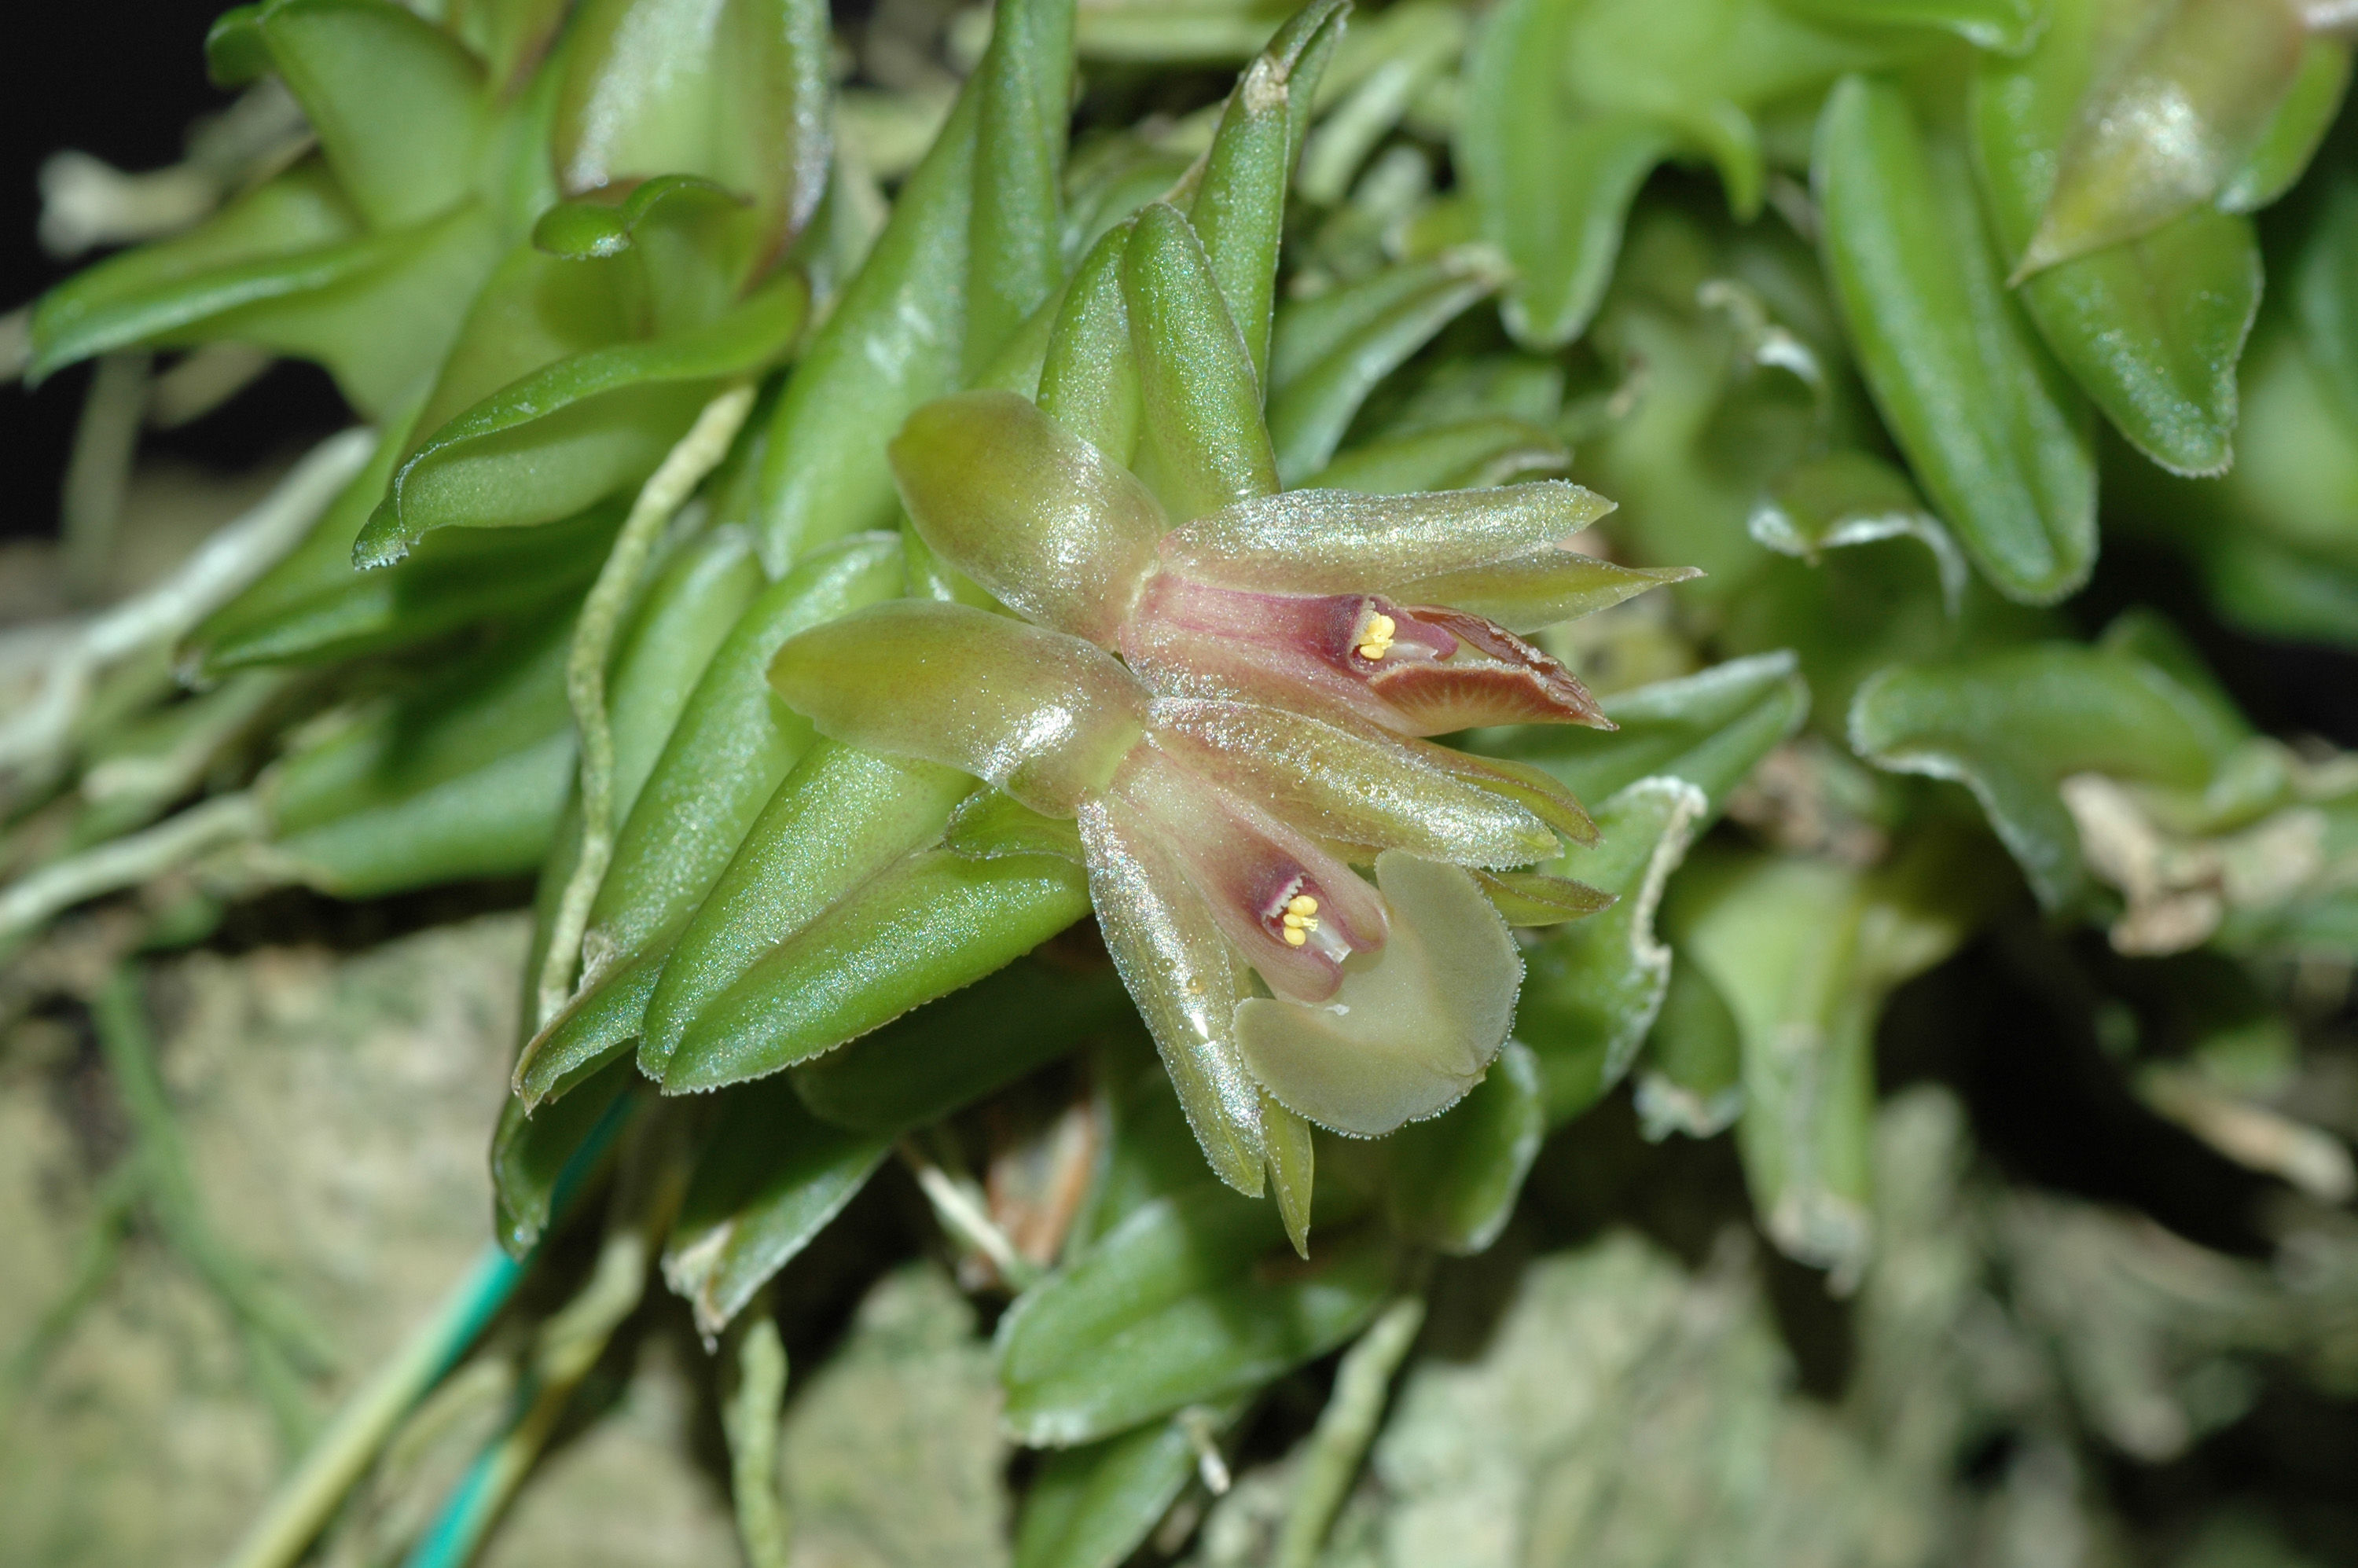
1900, 1172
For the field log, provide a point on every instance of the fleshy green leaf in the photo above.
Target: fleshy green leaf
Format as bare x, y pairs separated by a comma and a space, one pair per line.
578, 430
1205, 445
1318, 382
316, 607
1997, 436
1592, 989
1172, 1309
1454, 1180
2301, 123
840, 817
1804, 951
927, 925
1013, 263
892, 341
462, 778
1848, 498
1466, 454
511, 36
2151, 327
734, 92
1239, 199
733, 746
598, 1025
1693, 1076
950, 1052
1708, 728
1553, 185
1091, 1506
1090, 382
399, 106
2005, 26
284, 267
2011, 726
682, 617
2174, 113
533, 1158
769, 1177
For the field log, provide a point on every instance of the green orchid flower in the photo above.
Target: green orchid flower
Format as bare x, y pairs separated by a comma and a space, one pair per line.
1285, 656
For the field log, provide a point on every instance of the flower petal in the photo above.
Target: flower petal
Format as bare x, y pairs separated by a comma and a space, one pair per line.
1337, 541
1054, 528
1412, 1027
1185, 978
1535, 790
1527, 592
1535, 898
1361, 787
1419, 670
1046, 717
1293, 910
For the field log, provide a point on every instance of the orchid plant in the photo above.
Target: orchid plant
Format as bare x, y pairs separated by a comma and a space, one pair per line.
1261, 732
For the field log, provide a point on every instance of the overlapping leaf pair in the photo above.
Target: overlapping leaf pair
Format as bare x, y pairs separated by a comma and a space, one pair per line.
1284, 655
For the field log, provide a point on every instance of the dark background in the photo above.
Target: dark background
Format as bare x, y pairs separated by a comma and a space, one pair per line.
120, 80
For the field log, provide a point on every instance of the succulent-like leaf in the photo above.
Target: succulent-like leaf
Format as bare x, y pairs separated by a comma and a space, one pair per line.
840, 817
1593, 988
1453, 1181
926, 925
890, 342
1204, 443
1848, 498
768, 1177
1693, 1077
732, 745
952, 1052
1466, 454
1998, 437
1034, 513
579, 429
461, 779
735, 91
1239, 199
2150, 327
2001, 27
1090, 382
1046, 717
2168, 123
1170, 1310
1312, 407
2011, 726
286, 268
1093, 1505
399, 104
1025, 82
1804, 951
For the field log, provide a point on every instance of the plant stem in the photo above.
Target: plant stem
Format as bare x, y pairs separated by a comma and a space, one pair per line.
352, 1439
1344, 1428
99, 472
667, 489
29, 902
750, 1418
